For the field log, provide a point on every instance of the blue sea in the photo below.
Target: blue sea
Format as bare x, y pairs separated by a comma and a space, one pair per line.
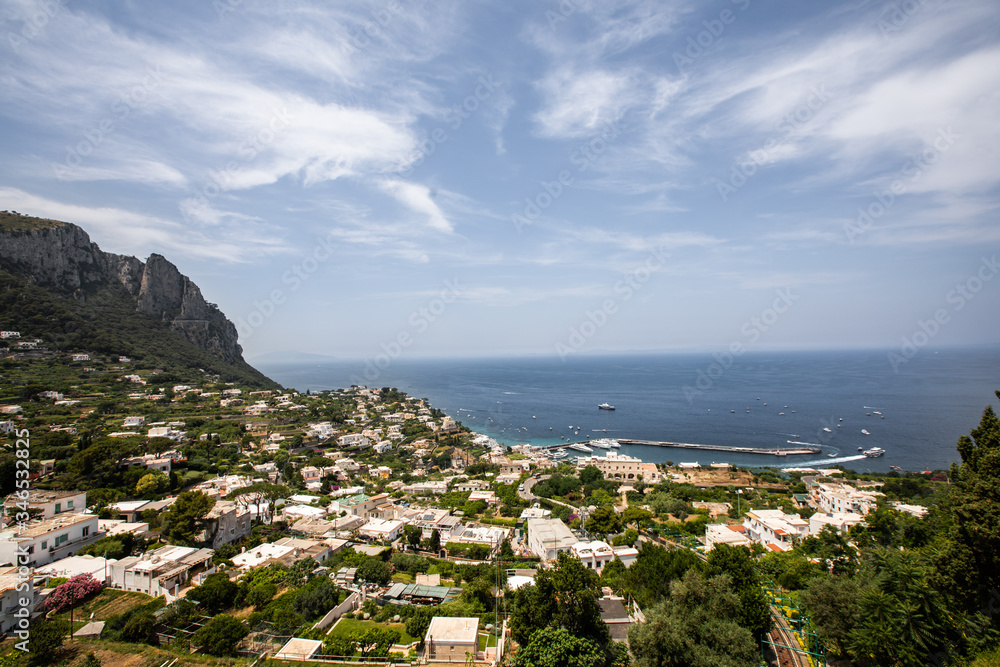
916, 412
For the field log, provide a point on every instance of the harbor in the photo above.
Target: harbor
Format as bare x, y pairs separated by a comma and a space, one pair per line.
772, 451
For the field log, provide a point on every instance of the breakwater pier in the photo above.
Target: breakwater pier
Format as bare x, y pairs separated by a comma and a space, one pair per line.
772, 451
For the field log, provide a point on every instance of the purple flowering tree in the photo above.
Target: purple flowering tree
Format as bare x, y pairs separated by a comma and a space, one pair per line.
72, 591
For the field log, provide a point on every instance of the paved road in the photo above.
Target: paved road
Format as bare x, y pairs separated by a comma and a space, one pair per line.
528, 483
529, 496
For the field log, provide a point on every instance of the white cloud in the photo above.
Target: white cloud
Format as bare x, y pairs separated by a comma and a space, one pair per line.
135, 233
419, 199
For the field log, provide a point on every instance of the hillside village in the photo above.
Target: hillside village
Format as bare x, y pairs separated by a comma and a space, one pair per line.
311, 519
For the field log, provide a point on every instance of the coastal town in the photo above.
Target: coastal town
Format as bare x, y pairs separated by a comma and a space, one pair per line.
158, 491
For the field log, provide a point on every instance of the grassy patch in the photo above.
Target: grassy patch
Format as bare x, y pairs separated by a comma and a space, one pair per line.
348, 626
403, 578
109, 602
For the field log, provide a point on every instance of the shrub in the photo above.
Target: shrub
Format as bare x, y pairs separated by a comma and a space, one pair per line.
74, 590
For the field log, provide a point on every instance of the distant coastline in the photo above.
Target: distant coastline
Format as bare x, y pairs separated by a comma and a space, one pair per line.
927, 405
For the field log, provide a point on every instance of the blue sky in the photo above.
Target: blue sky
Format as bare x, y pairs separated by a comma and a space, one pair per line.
479, 178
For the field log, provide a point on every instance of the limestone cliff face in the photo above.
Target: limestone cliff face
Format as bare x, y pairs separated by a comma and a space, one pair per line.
64, 259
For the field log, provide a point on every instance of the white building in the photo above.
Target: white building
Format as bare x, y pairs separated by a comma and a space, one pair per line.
386, 530
775, 529
48, 540
547, 537
621, 467
450, 639
163, 571
915, 510
720, 533
842, 521
287, 550
353, 440
96, 566
836, 498
50, 503
16, 593
596, 554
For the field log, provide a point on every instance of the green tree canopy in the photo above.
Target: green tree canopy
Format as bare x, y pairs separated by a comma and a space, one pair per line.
564, 596
696, 626
737, 562
216, 593
603, 521
557, 647
184, 520
220, 635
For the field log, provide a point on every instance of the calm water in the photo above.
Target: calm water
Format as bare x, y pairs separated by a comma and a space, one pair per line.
925, 407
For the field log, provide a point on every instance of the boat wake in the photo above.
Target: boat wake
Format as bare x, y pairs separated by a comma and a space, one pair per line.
825, 462
798, 442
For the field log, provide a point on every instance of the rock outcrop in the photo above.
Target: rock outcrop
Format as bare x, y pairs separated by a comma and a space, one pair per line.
62, 258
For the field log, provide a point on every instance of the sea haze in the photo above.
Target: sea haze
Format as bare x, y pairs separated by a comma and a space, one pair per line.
933, 399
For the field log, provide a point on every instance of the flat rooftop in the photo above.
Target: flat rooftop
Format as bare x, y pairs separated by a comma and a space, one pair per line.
447, 630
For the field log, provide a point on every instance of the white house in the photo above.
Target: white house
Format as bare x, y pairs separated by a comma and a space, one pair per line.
48, 540
450, 639
720, 533
50, 503
844, 498
163, 571
17, 593
596, 554
842, 521
353, 440
547, 537
775, 529
387, 530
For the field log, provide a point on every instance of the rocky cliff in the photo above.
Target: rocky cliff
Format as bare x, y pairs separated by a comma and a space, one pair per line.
60, 258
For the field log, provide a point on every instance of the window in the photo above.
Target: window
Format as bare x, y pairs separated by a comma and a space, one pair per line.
58, 507
69, 504
86, 531
45, 544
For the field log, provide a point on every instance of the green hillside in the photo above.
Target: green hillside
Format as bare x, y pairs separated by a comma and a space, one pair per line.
107, 323
12, 221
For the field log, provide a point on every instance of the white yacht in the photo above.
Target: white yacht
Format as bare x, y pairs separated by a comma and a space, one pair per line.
605, 443
606, 406
580, 447
874, 452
